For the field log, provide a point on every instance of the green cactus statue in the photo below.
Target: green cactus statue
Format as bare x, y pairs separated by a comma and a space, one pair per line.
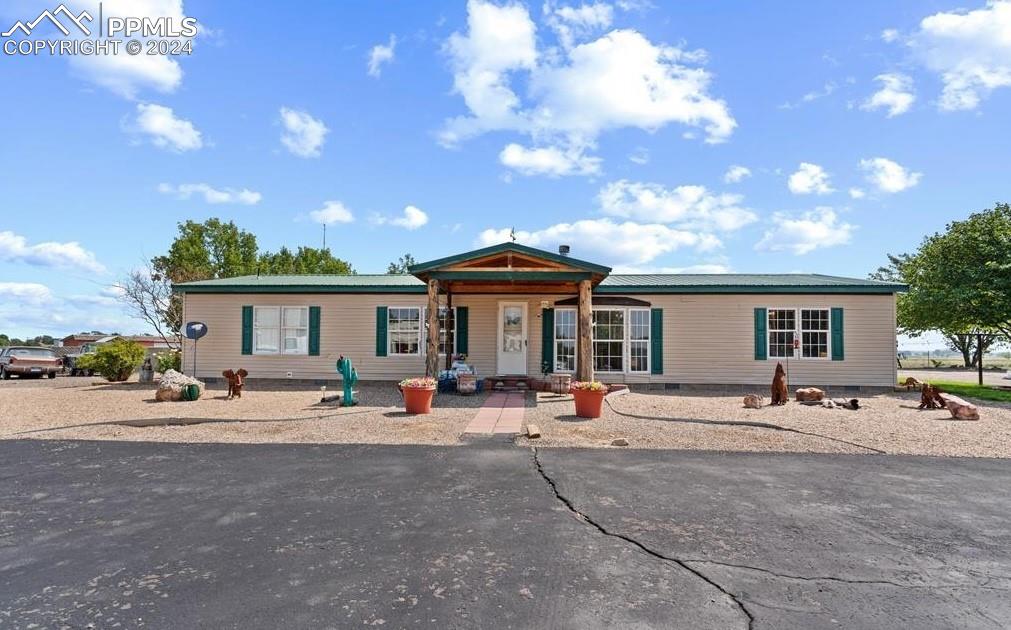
350, 378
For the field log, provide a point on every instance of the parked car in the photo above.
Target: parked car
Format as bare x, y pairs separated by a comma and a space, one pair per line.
28, 361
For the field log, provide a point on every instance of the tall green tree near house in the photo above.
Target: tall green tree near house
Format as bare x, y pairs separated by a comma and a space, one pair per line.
401, 265
959, 281
306, 260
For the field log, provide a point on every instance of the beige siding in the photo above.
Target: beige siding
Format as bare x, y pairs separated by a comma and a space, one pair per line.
708, 339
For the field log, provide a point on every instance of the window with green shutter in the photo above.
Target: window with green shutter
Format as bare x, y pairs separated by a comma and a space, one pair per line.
460, 327
547, 340
761, 334
381, 325
247, 330
838, 353
656, 340
314, 321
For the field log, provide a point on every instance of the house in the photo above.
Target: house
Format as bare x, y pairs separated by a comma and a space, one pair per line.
516, 310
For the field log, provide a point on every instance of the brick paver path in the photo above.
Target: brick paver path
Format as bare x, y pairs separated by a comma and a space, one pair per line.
502, 412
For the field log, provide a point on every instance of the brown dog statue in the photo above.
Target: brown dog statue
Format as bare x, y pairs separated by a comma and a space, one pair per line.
930, 397
235, 382
779, 393
911, 383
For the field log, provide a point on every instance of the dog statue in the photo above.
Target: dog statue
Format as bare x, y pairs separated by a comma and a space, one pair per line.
911, 383
780, 396
235, 382
930, 397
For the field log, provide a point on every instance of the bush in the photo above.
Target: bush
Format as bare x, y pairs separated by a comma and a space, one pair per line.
115, 360
171, 360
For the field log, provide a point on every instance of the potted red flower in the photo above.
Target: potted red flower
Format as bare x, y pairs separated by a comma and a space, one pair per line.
589, 398
418, 393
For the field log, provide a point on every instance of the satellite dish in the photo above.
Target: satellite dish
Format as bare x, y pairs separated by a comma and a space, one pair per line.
195, 330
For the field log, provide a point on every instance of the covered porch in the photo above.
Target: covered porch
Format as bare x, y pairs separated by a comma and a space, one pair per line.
505, 277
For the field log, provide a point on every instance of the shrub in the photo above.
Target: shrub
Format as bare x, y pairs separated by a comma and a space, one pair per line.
171, 360
590, 386
115, 360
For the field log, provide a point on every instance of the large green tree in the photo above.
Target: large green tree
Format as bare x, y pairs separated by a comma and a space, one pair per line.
307, 260
401, 265
959, 281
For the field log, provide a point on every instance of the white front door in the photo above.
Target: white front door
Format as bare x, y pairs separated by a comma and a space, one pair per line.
512, 338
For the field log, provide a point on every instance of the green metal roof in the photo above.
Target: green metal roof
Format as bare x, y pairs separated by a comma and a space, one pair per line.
508, 247
613, 284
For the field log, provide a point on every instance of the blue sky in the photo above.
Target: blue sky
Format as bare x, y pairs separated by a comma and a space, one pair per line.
431, 128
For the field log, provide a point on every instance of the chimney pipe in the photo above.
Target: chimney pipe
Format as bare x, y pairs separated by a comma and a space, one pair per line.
563, 250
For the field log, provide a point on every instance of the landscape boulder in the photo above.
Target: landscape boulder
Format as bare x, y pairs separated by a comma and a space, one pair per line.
753, 401
809, 394
171, 385
960, 409
619, 442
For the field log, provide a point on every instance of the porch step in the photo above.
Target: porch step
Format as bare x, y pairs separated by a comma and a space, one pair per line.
502, 413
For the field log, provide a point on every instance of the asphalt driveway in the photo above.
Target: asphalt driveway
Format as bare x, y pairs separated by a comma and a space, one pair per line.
175, 535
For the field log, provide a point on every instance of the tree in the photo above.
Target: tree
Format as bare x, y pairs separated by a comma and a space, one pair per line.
400, 266
115, 360
307, 260
203, 251
959, 282
148, 296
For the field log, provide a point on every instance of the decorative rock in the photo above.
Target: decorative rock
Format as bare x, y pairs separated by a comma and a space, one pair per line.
960, 409
619, 442
753, 401
533, 431
171, 385
812, 394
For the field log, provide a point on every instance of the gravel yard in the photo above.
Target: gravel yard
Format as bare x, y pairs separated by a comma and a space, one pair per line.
889, 423
59, 409
79, 409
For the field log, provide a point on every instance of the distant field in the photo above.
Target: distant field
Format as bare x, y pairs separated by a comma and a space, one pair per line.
918, 363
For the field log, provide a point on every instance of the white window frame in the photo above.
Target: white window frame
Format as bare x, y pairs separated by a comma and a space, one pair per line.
797, 353
626, 339
575, 340
424, 326
280, 328
389, 329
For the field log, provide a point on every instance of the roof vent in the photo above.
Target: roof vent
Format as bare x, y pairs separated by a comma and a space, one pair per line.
563, 250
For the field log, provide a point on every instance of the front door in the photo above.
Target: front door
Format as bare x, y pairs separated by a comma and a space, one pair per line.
512, 338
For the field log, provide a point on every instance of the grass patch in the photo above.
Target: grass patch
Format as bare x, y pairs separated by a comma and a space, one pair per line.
972, 390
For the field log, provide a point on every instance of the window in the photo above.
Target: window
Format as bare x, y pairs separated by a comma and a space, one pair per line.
280, 330
404, 330
808, 326
814, 326
608, 340
638, 341
782, 328
565, 340
443, 327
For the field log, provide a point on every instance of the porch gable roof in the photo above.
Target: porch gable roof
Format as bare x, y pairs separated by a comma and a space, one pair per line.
507, 248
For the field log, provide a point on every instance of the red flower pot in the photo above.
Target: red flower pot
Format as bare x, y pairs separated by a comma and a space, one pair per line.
418, 400
588, 402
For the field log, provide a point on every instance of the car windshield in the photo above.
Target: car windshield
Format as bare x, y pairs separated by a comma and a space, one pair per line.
32, 352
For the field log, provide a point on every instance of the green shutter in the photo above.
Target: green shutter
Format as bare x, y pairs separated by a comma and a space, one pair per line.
461, 329
837, 335
656, 340
548, 340
761, 334
382, 322
247, 330
314, 331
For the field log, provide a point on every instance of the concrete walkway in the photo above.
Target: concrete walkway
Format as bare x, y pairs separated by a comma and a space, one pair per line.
502, 412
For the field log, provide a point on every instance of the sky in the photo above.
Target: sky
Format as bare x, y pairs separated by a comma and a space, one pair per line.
649, 136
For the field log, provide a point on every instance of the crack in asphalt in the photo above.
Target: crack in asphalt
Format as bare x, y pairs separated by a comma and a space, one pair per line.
655, 554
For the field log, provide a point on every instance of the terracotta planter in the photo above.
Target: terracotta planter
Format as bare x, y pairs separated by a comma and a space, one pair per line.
588, 402
418, 400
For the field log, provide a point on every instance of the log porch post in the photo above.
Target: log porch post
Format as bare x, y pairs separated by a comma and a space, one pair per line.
584, 359
450, 329
432, 349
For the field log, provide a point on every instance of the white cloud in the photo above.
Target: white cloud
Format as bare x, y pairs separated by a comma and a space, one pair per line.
896, 94
889, 35
550, 161
970, 50
627, 243
618, 80
381, 54
809, 178
125, 74
826, 90
857, 193
70, 255
412, 219
805, 233
639, 156
692, 207
303, 135
25, 292
165, 130
576, 23
736, 173
889, 176
212, 195
332, 212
